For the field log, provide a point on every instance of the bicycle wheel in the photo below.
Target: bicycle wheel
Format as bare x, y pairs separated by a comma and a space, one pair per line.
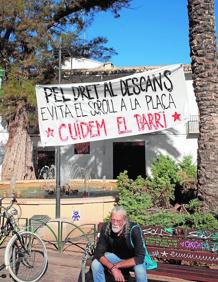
26, 257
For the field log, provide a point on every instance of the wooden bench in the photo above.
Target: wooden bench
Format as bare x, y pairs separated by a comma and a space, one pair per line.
186, 254
182, 254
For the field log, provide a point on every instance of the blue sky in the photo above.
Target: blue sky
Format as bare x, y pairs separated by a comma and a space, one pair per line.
149, 33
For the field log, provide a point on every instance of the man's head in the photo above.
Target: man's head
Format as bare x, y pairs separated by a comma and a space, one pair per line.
118, 219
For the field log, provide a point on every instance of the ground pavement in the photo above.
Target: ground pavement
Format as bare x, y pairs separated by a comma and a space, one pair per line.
61, 267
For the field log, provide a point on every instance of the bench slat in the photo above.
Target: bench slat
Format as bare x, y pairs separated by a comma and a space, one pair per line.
160, 278
198, 256
202, 274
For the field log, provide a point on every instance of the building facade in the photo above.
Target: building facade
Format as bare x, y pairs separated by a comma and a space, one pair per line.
106, 159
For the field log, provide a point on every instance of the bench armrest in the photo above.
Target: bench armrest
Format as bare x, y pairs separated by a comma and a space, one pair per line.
88, 252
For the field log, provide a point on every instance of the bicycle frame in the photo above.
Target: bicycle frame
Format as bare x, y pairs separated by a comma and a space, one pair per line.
19, 247
7, 224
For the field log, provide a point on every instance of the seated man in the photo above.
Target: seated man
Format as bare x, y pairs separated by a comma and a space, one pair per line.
115, 252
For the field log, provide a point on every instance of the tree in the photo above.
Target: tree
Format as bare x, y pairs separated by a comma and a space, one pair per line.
205, 80
30, 32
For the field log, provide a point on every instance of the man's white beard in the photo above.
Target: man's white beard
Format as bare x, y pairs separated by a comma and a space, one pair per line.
116, 229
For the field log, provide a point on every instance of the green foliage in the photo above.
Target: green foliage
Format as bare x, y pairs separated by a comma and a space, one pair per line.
163, 180
194, 206
142, 197
30, 37
187, 165
165, 167
31, 31
201, 220
196, 220
165, 219
187, 171
133, 197
18, 91
162, 191
16, 86
171, 181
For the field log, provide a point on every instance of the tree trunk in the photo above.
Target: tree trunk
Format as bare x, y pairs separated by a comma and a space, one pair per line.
205, 80
18, 162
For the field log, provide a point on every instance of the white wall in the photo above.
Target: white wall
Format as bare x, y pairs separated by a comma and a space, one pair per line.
99, 163
82, 63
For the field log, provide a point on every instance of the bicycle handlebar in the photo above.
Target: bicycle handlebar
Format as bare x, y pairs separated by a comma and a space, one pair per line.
13, 200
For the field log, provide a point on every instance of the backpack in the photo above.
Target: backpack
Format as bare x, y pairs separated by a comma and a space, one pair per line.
149, 262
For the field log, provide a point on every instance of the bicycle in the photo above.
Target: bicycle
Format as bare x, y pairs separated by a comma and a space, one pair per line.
25, 254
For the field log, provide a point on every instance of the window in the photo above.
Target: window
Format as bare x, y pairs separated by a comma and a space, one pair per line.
82, 148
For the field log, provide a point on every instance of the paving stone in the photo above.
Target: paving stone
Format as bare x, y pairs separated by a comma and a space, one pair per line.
61, 267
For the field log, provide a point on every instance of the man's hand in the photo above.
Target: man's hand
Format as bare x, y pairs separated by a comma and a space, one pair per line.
117, 274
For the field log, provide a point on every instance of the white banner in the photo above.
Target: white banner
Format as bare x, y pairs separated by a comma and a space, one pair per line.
137, 104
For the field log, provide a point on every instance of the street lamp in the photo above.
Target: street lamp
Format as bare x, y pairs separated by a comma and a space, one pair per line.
58, 152
2, 74
61, 53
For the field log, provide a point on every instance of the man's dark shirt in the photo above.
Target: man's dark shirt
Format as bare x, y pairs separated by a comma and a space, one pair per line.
121, 245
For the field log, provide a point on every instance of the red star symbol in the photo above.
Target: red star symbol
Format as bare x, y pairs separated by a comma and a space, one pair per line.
176, 116
50, 132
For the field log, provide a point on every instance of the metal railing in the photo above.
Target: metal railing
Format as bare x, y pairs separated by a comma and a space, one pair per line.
53, 231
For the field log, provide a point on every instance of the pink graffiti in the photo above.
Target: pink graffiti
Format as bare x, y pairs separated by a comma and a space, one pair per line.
192, 245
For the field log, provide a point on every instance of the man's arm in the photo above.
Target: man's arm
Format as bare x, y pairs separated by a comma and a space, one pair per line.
103, 260
102, 244
126, 263
114, 268
138, 243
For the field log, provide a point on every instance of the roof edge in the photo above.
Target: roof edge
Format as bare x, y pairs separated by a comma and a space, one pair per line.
105, 69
